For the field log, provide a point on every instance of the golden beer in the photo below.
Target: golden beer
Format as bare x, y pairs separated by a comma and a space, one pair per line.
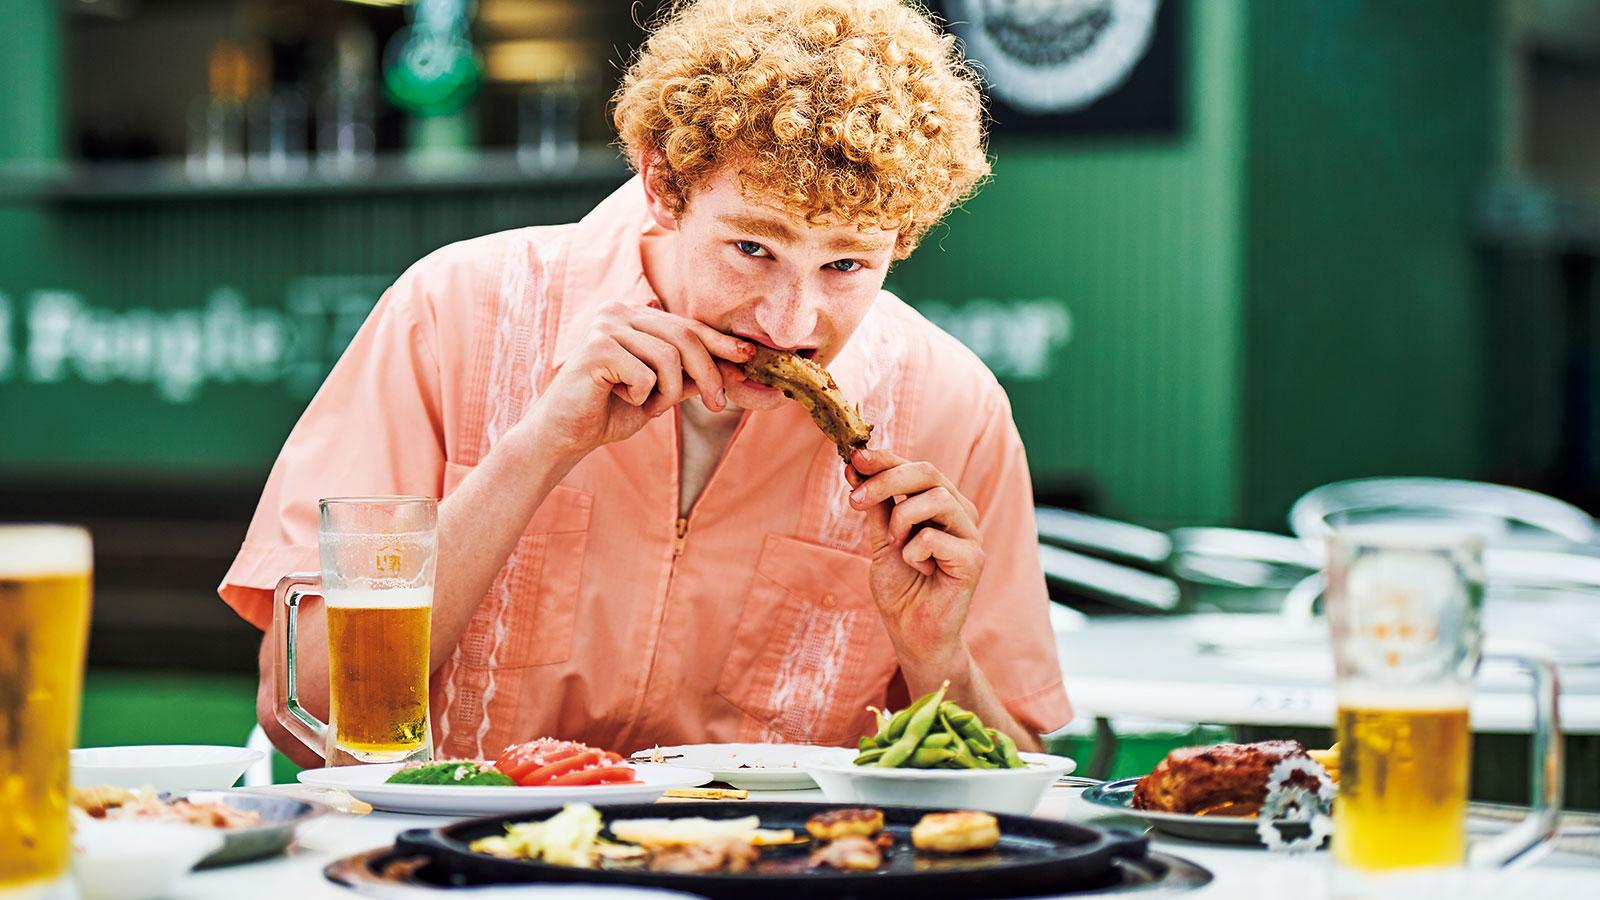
44, 623
1402, 787
378, 671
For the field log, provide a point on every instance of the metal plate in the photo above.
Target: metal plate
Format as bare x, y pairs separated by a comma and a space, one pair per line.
388, 873
281, 817
1034, 856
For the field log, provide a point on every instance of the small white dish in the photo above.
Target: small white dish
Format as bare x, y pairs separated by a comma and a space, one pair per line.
368, 783
753, 767
165, 767
131, 860
1014, 791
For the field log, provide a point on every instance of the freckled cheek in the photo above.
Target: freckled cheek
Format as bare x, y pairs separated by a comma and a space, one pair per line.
849, 308
721, 288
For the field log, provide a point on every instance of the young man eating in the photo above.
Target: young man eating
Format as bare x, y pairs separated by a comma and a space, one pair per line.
637, 544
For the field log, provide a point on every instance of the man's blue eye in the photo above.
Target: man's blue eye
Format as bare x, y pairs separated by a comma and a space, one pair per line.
844, 265
750, 248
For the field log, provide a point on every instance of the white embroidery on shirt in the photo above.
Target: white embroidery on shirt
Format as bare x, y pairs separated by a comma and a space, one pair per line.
808, 676
517, 352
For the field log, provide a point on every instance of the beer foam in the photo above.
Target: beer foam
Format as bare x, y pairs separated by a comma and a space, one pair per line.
34, 550
393, 598
1412, 698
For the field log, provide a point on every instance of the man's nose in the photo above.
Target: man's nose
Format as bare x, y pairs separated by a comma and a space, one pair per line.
789, 317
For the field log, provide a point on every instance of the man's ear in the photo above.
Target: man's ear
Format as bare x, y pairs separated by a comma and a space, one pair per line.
650, 175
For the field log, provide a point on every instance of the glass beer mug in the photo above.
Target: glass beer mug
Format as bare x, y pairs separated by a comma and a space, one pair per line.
1403, 607
378, 559
44, 628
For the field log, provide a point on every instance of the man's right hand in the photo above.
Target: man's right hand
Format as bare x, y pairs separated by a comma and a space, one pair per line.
636, 363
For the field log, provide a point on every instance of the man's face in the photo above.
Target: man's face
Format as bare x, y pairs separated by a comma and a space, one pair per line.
755, 270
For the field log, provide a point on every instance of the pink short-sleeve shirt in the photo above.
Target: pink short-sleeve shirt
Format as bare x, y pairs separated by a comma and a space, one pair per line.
613, 622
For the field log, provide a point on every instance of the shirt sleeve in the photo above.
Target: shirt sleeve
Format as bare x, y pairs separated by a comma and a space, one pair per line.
1008, 627
375, 427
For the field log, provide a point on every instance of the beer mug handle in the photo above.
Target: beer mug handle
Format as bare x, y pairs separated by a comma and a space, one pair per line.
1537, 831
311, 731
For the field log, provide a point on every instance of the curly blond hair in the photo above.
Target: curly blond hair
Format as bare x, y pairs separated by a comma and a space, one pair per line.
844, 111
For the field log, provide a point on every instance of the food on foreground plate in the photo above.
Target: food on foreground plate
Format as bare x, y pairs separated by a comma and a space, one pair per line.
706, 794
549, 762
544, 762
803, 380
935, 733
1218, 780
568, 838
679, 832
962, 831
839, 823
730, 855
453, 773
851, 853
1329, 760
854, 839
851, 840
105, 802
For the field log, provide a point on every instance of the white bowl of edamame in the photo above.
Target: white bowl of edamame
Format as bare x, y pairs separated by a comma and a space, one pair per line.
1016, 791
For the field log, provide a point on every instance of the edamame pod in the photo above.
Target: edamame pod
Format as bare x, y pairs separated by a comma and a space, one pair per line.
868, 757
928, 758
897, 723
1008, 749
917, 728
961, 754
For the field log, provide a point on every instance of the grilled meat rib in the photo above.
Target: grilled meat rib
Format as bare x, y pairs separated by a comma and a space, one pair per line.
1219, 780
803, 380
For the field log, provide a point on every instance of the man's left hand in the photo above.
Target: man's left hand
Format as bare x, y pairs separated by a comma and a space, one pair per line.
927, 554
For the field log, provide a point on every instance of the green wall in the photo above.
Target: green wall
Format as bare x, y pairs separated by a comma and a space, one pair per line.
1282, 294
1370, 129
1141, 238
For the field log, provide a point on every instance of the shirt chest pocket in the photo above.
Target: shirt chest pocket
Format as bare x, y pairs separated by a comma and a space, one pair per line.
527, 617
810, 652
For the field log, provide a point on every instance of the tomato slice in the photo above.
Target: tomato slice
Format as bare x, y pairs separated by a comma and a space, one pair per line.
551, 762
594, 775
519, 760
556, 768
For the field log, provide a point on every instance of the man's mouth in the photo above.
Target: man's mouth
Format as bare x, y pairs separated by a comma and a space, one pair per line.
802, 352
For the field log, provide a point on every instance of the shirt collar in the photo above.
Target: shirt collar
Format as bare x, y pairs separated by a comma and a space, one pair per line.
603, 264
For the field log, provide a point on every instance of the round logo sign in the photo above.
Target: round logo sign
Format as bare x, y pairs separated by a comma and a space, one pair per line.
1053, 56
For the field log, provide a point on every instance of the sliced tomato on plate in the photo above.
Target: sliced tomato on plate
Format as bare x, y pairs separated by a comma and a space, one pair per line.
562, 763
595, 775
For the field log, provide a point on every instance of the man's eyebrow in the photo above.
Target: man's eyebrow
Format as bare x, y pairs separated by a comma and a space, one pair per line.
759, 226
859, 245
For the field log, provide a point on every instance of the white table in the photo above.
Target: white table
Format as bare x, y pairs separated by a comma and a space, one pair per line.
1255, 670
1240, 872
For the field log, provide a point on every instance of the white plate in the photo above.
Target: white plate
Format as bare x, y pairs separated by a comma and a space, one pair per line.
1014, 791
165, 767
766, 767
123, 860
367, 783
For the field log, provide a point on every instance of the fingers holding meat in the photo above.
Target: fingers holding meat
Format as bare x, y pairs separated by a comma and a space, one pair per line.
634, 363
